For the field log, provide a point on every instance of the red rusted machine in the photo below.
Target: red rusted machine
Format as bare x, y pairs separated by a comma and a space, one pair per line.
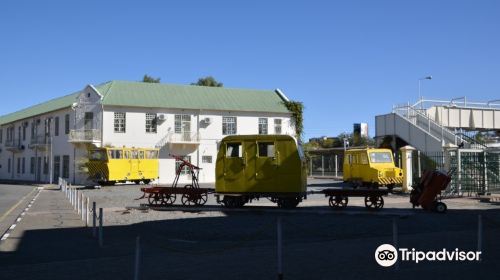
428, 192
191, 194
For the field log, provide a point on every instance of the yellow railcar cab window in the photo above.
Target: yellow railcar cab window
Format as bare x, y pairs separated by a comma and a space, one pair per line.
266, 149
233, 150
380, 157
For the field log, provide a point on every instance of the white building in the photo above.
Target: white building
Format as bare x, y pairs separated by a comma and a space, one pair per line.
50, 140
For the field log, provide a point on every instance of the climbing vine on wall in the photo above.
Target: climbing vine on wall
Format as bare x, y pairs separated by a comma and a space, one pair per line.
297, 109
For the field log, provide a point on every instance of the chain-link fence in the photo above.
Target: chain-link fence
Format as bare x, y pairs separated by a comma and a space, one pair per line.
474, 171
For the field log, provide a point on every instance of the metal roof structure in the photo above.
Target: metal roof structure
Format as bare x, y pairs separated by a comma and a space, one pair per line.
157, 95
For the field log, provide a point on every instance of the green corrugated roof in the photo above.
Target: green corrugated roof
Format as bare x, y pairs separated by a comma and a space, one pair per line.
138, 94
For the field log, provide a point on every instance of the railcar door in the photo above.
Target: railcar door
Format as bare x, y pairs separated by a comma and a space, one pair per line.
266, 165
234, 167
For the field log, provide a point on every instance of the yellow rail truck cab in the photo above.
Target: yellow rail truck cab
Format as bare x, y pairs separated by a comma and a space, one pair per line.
108, 166
253, 166
372, 167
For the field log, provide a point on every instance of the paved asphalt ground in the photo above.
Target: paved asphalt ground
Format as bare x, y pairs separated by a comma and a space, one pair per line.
13, 199
52, 243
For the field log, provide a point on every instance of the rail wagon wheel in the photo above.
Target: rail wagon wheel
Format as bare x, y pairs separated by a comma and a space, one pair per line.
288, 203
155, 199
168, 198
202, 199
338, 201
188, 199
374, 202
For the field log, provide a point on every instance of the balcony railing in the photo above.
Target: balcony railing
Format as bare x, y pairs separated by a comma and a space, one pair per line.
14, 145
179, 138
40, 140
85, 135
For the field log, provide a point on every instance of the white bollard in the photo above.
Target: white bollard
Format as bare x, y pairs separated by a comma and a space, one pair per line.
82, 206
280, 249
137, 257
94, 218
76, 200
480, 234
87, 214
101, 220
395, 238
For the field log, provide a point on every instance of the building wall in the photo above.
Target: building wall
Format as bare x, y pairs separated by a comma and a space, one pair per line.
209, 135
60, 144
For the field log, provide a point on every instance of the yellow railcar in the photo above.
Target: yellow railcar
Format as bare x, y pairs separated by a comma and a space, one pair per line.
108, 166
371, 167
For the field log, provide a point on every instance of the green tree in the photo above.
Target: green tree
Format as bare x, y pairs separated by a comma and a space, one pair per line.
149, 79
208, 81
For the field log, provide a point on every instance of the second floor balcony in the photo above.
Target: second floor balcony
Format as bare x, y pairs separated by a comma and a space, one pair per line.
40, 141
85, 136
14, 145
183, 138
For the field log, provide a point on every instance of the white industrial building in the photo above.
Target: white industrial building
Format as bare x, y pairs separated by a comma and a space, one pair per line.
50, 140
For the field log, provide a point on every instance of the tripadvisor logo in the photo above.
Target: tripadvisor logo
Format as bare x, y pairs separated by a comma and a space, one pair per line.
387, 255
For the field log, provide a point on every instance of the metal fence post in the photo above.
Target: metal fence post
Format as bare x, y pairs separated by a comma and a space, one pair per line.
395, 238
479, 234
280, 249
322, 165
137, 257
94, 218
101, 218
336, 167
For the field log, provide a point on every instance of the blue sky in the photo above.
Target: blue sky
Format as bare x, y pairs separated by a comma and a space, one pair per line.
346, 60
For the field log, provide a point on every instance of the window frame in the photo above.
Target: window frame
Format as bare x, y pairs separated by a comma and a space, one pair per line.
120, 122
151, 123
229, 123
263, 124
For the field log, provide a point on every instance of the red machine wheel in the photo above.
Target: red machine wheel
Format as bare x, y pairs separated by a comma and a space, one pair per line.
440, 207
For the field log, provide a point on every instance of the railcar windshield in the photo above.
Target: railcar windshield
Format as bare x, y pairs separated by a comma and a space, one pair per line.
99, 155
380, 157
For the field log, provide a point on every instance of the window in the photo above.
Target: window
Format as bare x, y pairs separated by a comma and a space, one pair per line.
380, 157
33, 130
18, 165
185, 169
88, 121
277, 126
57, 167
182, 123
262, 125
1, 135
151, 123
134, 154
228, 125
66, 124
45, 165
115, 154
120, 122
233, 150
152, 154
24, 166
32, 165
266, 149
56, 126
97, 155
364, 159
206, 159
141, 154
8, 165
65, 167
25, 124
